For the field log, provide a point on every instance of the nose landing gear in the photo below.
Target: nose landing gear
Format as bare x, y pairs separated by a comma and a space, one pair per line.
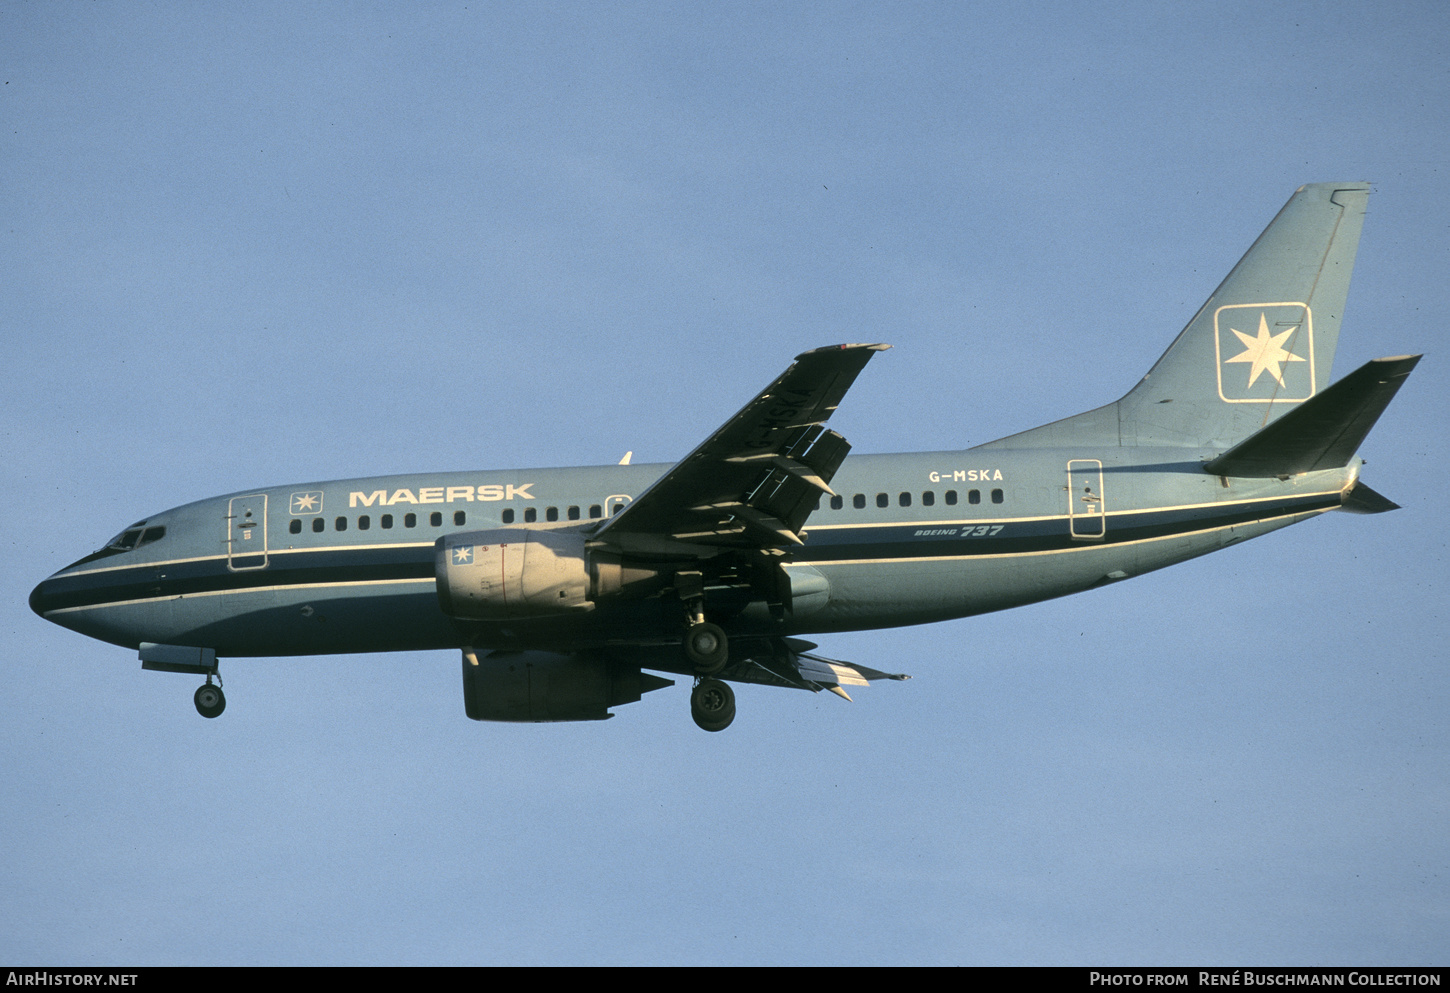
210, 700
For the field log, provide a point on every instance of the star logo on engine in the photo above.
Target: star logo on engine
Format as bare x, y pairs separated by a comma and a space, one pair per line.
463, 555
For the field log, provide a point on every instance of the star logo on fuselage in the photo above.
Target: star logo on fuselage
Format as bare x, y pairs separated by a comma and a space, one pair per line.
309, 502
1265, 352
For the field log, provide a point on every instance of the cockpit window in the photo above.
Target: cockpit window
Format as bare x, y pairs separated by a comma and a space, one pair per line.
126, 540
133, 537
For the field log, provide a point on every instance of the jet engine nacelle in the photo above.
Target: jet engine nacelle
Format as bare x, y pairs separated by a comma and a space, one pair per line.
520, 573
540, 686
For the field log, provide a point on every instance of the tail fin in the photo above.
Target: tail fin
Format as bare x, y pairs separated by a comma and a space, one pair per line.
1262, 344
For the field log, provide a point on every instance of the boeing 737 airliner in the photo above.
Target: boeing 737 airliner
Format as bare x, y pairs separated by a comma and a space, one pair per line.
561, 587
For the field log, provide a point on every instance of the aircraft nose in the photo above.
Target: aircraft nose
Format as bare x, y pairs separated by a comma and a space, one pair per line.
47, 595
38, 597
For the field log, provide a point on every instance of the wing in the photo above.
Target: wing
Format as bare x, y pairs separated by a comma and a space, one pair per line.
753, 483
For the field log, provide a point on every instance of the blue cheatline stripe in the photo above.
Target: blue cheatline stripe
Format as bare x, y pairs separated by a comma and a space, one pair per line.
1041, 535
331, 565
341, 565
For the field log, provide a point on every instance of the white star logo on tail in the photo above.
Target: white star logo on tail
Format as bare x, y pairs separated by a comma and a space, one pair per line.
1265, 351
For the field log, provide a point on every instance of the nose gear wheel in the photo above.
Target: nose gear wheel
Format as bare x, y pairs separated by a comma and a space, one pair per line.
209, 699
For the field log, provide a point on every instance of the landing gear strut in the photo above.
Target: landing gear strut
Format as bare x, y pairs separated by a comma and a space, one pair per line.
705, 646
209, 699
712, 704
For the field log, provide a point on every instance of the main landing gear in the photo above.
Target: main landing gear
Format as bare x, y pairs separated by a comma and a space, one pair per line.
712, 704
210, 700
706, 647
712, 701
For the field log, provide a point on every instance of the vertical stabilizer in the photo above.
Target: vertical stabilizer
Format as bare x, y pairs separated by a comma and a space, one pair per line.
1262, 344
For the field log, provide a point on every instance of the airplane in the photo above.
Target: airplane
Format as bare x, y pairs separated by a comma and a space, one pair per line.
566, 590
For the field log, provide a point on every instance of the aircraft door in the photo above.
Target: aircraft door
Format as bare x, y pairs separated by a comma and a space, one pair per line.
247, 532
1087, 513
616, 502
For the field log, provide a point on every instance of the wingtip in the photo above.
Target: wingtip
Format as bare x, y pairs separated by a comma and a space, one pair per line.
844, 348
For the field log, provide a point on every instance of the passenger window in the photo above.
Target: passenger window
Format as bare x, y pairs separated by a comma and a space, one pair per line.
387, 522
595, 510
951, 498
837, 502
296, 526
616, 509
364, 522
882, 500
410, 520
435, 519
530, 515
508, 516
340, 524
904, 499
859, 501
459, 517
552, 514
573, 513
974, 496
997, 496
928, 499
317, 525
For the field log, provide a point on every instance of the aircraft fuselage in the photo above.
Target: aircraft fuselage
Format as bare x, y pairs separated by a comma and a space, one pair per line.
348, 566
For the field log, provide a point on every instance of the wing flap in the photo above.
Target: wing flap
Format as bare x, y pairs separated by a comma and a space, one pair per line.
790, 662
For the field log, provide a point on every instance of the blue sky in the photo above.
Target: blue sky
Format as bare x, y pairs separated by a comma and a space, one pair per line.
257, 244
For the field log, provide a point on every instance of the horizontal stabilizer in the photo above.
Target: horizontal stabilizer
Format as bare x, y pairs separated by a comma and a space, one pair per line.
1363, 500
1324, 431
